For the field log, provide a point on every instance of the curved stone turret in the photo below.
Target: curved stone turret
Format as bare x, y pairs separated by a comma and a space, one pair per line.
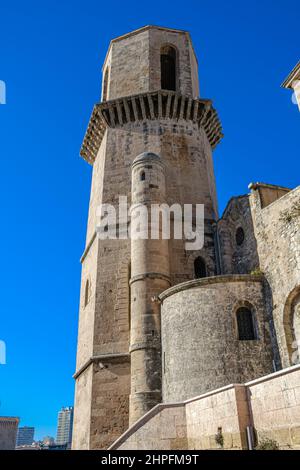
149, 277
201, 343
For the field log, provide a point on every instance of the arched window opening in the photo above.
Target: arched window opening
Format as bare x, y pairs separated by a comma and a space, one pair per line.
291, 323
168, 68
296, 330
200, 268
87, 292
143, 176
239, 236
245, 324
105, 86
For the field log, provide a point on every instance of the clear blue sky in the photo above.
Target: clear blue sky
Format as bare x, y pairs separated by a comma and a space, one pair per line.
51, 58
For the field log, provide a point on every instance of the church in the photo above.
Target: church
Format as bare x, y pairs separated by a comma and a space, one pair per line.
177, 348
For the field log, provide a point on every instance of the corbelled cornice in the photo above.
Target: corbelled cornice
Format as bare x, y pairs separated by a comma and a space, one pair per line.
149, 106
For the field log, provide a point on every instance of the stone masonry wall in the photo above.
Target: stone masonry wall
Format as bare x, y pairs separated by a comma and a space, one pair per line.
164, 427
109, 401
129, 69
275, 407
200, 346
269, 405
225, 411
277, 231
82, 410
237, 258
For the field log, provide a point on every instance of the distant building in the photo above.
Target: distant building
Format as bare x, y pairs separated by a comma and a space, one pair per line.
33, 446
8, 432
25, 436
293, 82
65, 426
48, 441
56, 447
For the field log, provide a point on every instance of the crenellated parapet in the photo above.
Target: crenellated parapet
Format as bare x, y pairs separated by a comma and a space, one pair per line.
158, 105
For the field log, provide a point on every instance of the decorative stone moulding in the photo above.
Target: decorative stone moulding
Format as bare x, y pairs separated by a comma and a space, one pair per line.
149, 106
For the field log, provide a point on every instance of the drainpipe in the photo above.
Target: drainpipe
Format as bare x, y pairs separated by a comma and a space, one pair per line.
217, 248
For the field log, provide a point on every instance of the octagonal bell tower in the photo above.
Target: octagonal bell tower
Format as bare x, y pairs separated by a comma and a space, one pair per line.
150, 59
150, 107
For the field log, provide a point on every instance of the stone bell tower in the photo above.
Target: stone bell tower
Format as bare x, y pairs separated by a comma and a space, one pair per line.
150, 139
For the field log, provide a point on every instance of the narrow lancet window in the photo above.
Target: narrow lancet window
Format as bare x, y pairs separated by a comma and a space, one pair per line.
200, 268
168, 68
245, 324
87, 292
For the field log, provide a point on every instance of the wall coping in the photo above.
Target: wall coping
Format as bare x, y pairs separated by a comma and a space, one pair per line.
284, 196
273, 375
258, 185
223, 279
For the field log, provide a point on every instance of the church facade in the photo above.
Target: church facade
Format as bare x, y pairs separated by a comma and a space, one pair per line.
158, 323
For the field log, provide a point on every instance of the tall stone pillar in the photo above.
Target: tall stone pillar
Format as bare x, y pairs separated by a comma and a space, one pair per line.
149, 277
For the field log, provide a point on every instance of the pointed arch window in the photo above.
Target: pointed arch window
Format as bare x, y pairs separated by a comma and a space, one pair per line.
200, 268
168, 68
245, 324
